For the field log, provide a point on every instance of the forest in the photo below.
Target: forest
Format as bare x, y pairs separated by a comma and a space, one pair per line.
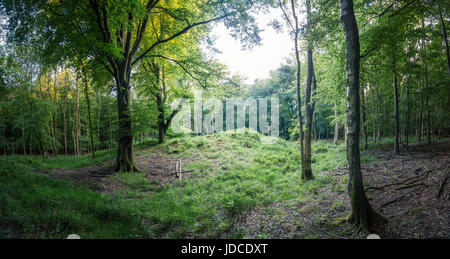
117, 120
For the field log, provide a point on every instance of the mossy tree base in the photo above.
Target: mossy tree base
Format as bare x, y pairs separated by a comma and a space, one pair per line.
363, 217
125, 161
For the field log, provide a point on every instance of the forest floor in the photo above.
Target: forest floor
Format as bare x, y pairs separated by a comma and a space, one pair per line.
410, 189
232, 186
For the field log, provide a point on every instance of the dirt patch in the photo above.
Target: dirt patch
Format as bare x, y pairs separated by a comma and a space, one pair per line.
96, 178
156, 166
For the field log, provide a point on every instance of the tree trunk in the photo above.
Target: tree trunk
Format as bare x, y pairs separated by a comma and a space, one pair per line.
77, 121
444, 35
397, 120
407, 113
125, 159
336, 126
428, 110
309, 101
364, 117
421, 113
362, 215
161, 120
299, 101
53, 117
427, 94
91, 135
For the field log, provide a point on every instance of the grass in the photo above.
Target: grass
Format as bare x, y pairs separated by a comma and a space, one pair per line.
235, 172
35, 206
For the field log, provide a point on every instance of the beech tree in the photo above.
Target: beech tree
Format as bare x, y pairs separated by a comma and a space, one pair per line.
363, 215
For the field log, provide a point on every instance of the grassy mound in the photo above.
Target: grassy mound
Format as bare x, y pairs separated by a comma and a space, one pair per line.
233, 173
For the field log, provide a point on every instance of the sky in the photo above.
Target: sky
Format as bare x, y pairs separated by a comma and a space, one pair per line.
257, 62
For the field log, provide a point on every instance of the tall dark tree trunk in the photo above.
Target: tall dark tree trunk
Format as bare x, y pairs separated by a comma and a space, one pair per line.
309, 100
428, 109
336, 126
407, 112
397, 120
91, 135
362, 215
427, 94
161, 120
420, 126
444, 35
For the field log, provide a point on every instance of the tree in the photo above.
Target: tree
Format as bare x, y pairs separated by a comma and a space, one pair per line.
293, 24
362, 216
309, 95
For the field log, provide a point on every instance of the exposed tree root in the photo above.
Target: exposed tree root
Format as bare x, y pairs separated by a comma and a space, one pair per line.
399, 197
441, 188
365, 221
409, 186
410, 180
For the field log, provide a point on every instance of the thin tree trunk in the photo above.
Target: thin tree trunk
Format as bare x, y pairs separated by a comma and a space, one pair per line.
99, 109
427, 94
421, 112
336, 126
65, 125
55, 124
91, 135
397, 120
407, 113
362, 216
298, 83
364, 117
78, 122
161, 120
309, 101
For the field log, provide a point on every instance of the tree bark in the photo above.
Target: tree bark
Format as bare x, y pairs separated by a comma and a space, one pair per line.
309, 100
77, 121
407, 113
427, 94
362, 215
397, 120
444, 35
161, 120
125, 158
336, 126
420, 126
364, 117
91, 135
296, 32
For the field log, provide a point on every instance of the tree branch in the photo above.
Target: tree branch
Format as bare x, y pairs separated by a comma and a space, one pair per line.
176, 35
180, 64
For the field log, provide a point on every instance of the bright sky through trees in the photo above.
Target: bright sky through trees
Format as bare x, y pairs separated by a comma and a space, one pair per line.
255, 63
